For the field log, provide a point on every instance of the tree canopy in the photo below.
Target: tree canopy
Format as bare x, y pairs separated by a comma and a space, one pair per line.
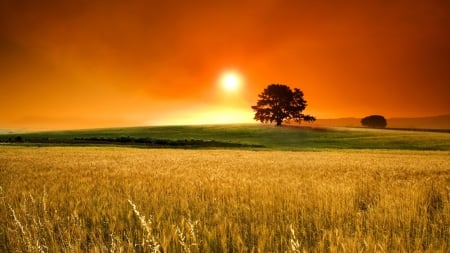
278, 103
376, 121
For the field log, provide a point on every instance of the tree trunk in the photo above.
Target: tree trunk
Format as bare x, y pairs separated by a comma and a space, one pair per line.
279, 122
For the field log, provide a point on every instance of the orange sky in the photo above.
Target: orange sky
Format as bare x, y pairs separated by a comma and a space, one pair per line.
88, 63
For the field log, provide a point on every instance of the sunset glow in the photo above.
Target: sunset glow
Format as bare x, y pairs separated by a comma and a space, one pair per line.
212, 115
83, 64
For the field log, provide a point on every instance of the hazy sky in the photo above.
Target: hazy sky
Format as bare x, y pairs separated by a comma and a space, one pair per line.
89, 63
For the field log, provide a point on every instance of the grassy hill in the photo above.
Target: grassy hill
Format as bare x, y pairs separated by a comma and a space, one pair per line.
241, 136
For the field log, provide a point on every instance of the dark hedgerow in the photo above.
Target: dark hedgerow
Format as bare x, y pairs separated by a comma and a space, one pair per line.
131, 141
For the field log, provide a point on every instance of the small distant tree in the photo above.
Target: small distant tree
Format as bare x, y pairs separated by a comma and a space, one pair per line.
278, 103
376, 121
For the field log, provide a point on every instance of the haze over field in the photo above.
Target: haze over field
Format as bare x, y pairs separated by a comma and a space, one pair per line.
83, 64
436, 122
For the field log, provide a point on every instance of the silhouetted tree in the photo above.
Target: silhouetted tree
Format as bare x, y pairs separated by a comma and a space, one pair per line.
279, 103
376, 121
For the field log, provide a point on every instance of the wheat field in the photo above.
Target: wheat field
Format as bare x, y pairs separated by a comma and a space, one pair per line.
91, 199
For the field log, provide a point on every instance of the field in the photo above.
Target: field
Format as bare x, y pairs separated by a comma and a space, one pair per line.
315, 199
269, 137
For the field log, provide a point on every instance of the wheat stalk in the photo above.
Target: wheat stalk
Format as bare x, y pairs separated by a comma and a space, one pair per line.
146, 225
293, 241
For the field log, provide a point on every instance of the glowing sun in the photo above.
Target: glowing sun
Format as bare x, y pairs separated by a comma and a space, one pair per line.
230, 80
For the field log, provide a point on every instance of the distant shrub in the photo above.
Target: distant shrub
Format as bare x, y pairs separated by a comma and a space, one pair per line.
376, 121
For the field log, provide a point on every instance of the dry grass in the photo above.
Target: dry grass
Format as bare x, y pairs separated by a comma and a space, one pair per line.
135, 200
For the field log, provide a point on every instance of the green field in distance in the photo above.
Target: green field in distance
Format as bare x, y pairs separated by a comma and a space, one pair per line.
250, 136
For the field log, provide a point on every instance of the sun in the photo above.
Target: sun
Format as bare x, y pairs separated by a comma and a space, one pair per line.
230, 80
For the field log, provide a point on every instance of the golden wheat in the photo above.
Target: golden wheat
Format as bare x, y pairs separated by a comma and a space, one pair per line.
142, 200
